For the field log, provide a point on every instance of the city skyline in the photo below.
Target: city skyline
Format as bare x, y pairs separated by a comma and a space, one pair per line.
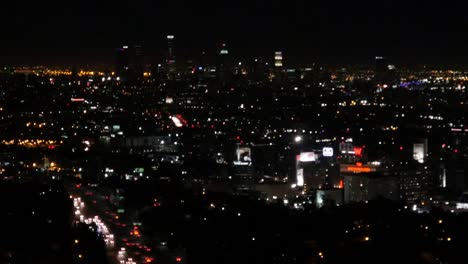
87, 32
263, 132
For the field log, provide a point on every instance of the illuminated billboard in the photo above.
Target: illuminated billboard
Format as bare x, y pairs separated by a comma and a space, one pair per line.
243, 155
357, 151
327, 152
328, 197
419, 152
139, 170
169, 100
300, 177
307, 157
176, 121
357, 168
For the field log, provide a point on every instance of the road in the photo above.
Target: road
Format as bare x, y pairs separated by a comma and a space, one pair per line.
124, 238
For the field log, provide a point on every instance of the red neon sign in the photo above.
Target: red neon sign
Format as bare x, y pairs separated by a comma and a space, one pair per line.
357, 151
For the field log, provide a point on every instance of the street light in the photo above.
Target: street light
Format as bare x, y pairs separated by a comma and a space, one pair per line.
298, 139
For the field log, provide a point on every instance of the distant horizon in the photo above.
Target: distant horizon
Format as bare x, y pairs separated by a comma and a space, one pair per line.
410, 33
69, 56
107, 62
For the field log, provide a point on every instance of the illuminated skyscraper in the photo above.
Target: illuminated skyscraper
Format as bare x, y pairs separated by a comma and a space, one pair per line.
170, 60
278, 59
222, 62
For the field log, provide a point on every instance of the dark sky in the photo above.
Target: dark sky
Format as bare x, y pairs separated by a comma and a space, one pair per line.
77, 32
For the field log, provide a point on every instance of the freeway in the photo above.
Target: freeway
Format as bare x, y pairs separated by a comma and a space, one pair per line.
124, 237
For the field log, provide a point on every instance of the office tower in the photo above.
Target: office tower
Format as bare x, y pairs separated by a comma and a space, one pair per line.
222, 62
278, 59
415, 182
258, 70
138, 60
385, 74
365, 182
129, 65
380, 65
242, 169
222, 49
170, 60
420, 150
202, 60
157, 72
122, 62
314, 171
277, 71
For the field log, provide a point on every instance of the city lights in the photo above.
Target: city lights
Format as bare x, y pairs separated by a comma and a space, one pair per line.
195, 133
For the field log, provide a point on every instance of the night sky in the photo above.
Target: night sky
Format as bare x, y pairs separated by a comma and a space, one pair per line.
80, 32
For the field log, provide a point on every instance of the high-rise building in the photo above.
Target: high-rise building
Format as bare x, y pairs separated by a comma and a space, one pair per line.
415, 182
385, 74
363, 183
242, 170
129, 65
222, 62
122, 61
381, 65
157, 72
222, 49
420, 150
138, 60
170, 60
258, 70
278, 59
202, 60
